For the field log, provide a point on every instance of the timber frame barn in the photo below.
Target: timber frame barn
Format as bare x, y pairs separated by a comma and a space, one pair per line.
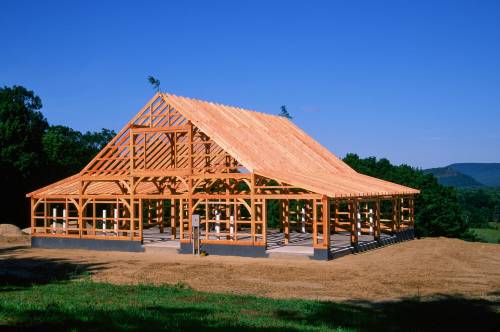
180, 157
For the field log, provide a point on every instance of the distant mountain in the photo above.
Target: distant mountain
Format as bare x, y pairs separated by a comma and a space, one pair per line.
485, 173
468, 175
447, 176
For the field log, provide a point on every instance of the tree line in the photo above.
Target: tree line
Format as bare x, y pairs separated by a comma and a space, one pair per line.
438, 211
480, 207
34, 153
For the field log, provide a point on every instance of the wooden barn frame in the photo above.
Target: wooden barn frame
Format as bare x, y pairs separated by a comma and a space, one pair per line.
180, 157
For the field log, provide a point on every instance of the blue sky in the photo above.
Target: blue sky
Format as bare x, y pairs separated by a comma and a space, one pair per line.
417, 82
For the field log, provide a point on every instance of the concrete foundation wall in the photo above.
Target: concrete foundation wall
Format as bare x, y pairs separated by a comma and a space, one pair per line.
89, 244
226, 250
324, 254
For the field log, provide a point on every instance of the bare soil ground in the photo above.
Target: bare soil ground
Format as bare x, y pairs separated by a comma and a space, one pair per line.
421, 268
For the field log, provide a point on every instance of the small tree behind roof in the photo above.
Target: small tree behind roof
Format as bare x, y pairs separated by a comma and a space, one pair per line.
154, 82
284, 112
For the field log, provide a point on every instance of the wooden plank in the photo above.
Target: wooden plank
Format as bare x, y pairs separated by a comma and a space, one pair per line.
166, 129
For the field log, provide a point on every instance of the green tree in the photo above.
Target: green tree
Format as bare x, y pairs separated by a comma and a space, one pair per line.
437, 208
34, 154
95, 141
22, 126
68, 150
481, 207
155, 83
284, 112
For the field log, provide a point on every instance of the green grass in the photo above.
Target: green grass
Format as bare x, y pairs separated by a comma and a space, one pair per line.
85, 305
99, 306
490, 234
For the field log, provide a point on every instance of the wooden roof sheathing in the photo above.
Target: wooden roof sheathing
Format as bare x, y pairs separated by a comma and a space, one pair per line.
275, 147
258, 140
268, 145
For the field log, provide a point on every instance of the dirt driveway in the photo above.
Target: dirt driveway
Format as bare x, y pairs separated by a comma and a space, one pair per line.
425, 268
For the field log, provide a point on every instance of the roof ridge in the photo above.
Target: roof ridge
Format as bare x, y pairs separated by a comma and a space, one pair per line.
223, 105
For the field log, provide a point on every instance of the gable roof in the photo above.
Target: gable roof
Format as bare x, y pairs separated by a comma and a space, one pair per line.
275, 147
268, 145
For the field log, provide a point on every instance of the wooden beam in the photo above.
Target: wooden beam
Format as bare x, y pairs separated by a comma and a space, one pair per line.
315, 223
285, 218
159, 215
353, 216
326, 221
182, 128
395, 215
377, 220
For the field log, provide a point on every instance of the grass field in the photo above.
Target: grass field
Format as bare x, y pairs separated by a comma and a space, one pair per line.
86, 305
490, 235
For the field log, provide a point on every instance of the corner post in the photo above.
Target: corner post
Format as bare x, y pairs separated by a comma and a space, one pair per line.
190, 180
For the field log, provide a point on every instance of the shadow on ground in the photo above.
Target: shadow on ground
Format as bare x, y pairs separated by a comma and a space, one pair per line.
441, 313
26, 271
448, 313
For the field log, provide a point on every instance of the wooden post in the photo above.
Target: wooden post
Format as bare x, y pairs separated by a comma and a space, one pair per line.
181, 219
150, 211
264, 221
335, 216
132, 184
326, 221
286, 220
377, 220
132, 210
302, 217
412, 212
207, 218
32, 215
172, 219
401, 214
66, 217
315, 222
395, 215
140, 220
253, 211
353, 212
45, 215
190, 180
115, 217
189, 208
80, 209
358, 218
159, 214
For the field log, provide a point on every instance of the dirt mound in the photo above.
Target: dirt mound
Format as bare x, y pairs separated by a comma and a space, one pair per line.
9, 230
